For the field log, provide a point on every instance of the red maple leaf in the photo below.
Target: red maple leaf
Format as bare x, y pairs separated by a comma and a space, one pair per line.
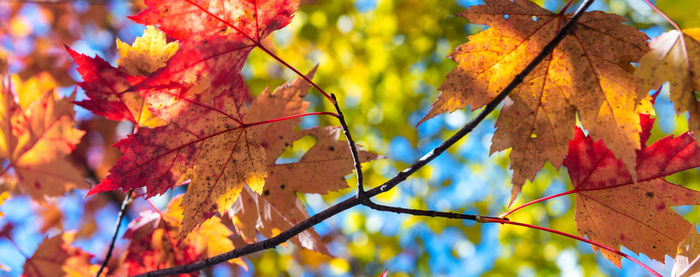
613, 209
215, 37
104, 85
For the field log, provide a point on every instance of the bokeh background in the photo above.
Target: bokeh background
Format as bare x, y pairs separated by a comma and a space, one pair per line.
385, 60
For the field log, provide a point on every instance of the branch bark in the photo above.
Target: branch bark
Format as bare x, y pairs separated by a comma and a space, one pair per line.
391, 183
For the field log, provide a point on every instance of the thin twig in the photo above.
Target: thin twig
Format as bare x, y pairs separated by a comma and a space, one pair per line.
120, 218
401, 176
353, 150
418, 212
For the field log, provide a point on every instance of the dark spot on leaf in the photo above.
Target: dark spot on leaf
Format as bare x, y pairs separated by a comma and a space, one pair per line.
266, 192
206, 41
282, 186
223, 29
653, 246
650, 194
331, 148
166, 10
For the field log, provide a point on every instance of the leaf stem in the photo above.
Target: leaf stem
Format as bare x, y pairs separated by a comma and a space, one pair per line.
280, 60
506, 214
662, 14
286, 118
491, 220
14, 244
563, 10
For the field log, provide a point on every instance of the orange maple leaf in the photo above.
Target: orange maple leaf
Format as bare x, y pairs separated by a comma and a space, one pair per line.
34, 138
588, 73
55, 257
674, 58
613, 209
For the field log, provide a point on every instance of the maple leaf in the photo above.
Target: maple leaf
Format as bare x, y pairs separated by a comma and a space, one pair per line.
688, 256
155, 243
207, 143
588, 73
107, 86
216, 39
674, 58
613, 209
55, 257
323, 168
147, 54
35, 138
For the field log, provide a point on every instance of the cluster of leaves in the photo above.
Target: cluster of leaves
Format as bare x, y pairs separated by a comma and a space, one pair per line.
195, 124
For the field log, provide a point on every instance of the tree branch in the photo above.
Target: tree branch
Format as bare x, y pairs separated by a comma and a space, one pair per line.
353, 150
417, 212
400, 177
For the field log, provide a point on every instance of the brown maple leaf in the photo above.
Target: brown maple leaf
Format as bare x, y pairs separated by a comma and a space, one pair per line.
588, 73
674, 58
34, 138
322, 169
55, 257
613, 209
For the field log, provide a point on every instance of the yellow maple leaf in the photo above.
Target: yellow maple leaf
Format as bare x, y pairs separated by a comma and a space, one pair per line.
147, 54
674, 58
588, 73
32, 89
